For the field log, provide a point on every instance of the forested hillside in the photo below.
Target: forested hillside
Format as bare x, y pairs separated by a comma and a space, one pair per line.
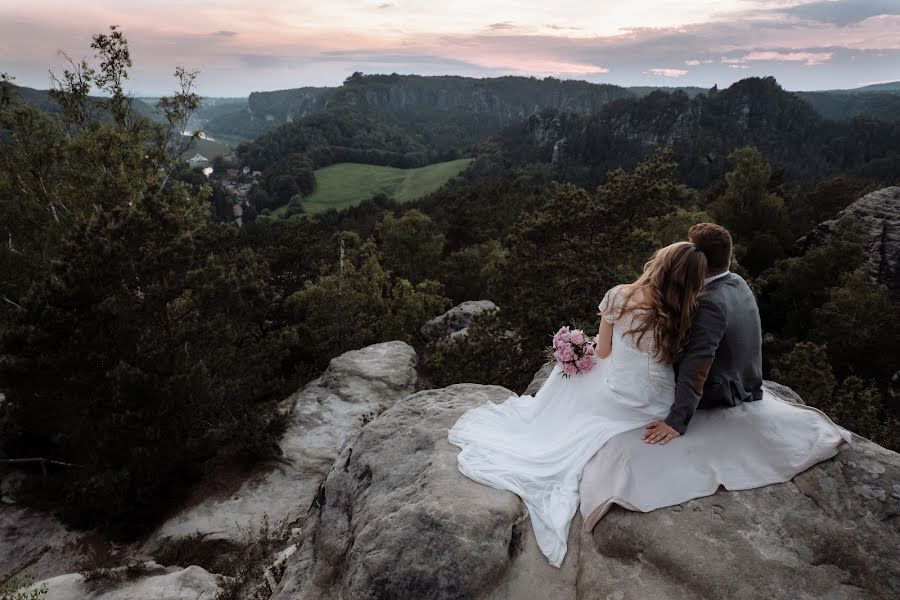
493, 102
842, 105
43, 99
702, 131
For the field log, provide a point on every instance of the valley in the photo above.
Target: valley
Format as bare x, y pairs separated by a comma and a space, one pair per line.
241, 365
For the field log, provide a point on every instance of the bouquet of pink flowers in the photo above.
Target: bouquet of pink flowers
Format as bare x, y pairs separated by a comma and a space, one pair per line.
573, 351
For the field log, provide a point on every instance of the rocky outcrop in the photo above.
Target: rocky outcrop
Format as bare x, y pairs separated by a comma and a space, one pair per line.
395, 519
380, 510
148, 581
356, 387
286, 106
506, 99
879, 214
455, 321
36, 542
545, 128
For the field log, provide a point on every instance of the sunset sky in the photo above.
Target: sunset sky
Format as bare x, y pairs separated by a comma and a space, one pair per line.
242, 46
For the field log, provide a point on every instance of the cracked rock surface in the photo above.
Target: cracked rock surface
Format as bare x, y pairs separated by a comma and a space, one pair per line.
396, 519
879, 214
356, 387
152, 583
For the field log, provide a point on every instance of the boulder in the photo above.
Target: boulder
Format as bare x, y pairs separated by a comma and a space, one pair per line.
148, 581
10, 485
879, 213
356, 387
454, 322
396, 519
37, 543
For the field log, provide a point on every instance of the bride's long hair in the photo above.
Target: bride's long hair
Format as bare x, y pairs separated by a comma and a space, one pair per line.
672, 281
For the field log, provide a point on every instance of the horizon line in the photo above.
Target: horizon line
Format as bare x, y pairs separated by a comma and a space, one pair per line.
143, 95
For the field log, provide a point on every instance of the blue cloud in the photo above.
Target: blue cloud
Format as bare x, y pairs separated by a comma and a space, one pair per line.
844, 12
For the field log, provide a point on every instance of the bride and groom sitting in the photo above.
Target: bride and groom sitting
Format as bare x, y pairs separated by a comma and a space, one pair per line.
685, 335
721, 363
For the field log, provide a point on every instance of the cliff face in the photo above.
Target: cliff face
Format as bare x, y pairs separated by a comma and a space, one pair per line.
286, 106
702, 131
746, 113
505, 98
879, 214
509, 98
514, 98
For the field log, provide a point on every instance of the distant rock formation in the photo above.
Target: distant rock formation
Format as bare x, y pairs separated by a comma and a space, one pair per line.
879, 213
286, 106
505, 98
456, 321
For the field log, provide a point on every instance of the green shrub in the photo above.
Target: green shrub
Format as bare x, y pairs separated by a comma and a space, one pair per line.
22, 588
490, 352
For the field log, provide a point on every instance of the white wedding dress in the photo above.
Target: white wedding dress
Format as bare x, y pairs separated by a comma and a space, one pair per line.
538, 447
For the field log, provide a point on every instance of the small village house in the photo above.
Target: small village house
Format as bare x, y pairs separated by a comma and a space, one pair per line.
197, 160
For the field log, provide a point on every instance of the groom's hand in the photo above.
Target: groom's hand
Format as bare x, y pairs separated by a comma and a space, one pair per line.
659, 432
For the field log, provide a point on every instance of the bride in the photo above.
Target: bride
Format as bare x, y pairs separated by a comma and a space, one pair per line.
537, 447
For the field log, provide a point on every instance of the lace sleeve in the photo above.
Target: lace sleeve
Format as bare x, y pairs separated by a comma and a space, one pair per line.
610, 305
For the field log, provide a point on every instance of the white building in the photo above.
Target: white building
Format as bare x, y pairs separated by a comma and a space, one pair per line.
197, 160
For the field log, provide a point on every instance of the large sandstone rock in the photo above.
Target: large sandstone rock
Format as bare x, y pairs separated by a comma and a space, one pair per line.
38, 543
395, 519
455, 321
879, 213
356, 387
146, 582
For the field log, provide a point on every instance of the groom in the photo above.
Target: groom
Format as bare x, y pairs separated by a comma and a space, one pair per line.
722, 362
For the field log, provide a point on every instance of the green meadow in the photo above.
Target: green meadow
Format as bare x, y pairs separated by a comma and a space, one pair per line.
347, 184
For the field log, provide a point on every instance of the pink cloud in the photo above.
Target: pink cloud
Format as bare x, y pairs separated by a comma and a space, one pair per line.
807, 58
666, 72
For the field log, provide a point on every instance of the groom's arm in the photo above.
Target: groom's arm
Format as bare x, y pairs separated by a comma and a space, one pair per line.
706, 333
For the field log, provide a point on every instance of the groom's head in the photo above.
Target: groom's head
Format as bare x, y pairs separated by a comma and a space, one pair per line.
715, 242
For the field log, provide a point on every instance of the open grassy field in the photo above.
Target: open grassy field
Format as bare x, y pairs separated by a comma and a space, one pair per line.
208, 148
348, 184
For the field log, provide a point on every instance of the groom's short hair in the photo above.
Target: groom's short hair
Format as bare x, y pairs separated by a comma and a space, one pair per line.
715, 242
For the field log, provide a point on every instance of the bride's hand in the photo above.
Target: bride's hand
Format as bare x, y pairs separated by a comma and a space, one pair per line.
659, 432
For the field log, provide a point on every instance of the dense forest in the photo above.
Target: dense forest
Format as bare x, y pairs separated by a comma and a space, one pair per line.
142, 338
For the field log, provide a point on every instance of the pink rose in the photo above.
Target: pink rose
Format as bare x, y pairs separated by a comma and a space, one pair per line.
585, 364
569, 369
589, 350
567, 353
577, 337
565, 336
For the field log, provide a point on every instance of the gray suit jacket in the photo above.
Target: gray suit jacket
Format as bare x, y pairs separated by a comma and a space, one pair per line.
722, 362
